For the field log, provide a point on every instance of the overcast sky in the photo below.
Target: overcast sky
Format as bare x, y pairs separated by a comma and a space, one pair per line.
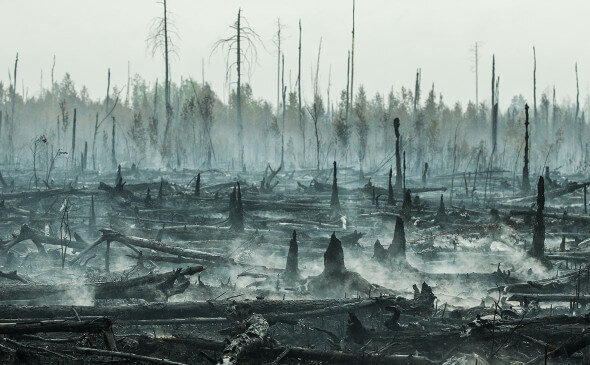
393, 38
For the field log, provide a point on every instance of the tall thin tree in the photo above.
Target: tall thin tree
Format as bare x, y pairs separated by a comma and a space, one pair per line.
526, 185
301, 121
534, 85
352, 55
243, 42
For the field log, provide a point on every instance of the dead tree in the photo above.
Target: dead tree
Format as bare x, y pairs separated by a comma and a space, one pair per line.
243, 34
292, 267
236, 211
397, 249
254, 337
424, 173
538, 247
99, 325
579, 123
441, 213
334, 200
316, 111
148, 199
407, 204
74, 140
160, 39
198, 185
84, 158
398, 164
390, 198
12, 107
92, 219
379, 252
352, 57
335, 278
113, 155
494, 108
151, 287
526, 185
299, 106
535, 86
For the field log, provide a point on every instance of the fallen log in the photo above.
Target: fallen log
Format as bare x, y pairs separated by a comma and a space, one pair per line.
12, 275
250, 340
38, 238
203, 309
111, 235
170, 259
568, 298
119, 191
552, 193
565, 217
126, 355
152, 287
310, 354
573, 345
41, 194
100, 325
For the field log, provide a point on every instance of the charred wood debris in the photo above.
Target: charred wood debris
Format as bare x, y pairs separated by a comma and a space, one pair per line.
299, 266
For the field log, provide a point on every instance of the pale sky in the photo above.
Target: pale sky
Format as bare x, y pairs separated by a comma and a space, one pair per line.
393, 38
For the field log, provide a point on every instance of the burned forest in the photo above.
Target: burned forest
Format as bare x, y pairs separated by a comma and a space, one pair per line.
182, 216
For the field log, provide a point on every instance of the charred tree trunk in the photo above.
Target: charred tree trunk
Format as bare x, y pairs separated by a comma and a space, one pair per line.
425, 173
92, 219
407, 204
441, 213
292, 267
390, 198
526, 185
74, 140
397, 249
198, 185
398, 165
494, 121
113, 155
334, 200
538, 247
535, 86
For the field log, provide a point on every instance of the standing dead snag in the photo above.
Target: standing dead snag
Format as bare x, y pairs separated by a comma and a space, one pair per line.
73, 161
538, 247
148, 199
390, 200
92, 219
334, 200
236, 211
398, 165
292, 267
119, 179
243, 43
407, 204
424, 173
198, 185
397, 249
379, 252
526, 185
356, 332
336, 279
441, 213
